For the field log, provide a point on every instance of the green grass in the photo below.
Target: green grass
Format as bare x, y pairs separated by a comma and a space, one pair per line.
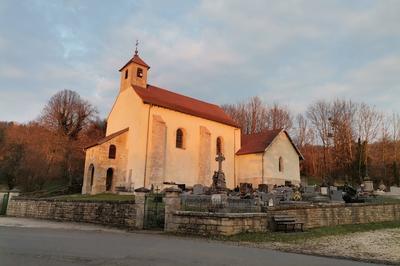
309, 234
385, 199
97, 197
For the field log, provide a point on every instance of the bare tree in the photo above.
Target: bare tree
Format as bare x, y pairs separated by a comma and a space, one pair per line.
279, 117
67, 113
368, 122
254, 116
319, 114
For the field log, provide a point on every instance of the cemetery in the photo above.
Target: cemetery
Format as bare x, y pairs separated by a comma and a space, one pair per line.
216, 210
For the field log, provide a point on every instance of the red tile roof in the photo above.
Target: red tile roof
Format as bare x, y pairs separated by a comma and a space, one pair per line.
257, 143
177, 102
136, 59
107, 138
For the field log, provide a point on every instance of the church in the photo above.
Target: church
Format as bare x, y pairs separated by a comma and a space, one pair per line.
156, 137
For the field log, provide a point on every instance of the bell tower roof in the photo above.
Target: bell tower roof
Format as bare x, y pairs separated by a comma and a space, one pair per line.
134, 72
136, 59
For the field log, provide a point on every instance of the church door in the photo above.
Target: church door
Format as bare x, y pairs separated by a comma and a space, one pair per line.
109, 179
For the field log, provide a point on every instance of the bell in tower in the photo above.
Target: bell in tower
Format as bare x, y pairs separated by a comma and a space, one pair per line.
134, 72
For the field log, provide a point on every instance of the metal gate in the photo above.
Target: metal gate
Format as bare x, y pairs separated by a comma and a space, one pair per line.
154, 211
3, 207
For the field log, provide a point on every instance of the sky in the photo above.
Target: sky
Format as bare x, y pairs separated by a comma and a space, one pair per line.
290, 52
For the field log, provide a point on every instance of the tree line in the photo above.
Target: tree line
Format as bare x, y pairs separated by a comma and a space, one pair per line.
49, 149
342, 141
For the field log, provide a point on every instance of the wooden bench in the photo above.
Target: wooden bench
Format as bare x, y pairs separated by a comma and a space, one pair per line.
286, 223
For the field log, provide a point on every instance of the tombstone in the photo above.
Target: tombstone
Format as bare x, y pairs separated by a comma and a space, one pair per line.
332, 188
395, 190
263, 188
271, 202
309, 189
368, 185
287, 195
246, 188
270, 199
198, 189
182, 187
219, 200
324, 191
216, 199
337, 195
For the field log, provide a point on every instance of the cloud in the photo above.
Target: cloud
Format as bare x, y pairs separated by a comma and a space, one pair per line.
293, 52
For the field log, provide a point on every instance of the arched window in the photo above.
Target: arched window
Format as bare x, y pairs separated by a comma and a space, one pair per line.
179, 138
280, 164
91, 174
219, 148
112, 151
109, 179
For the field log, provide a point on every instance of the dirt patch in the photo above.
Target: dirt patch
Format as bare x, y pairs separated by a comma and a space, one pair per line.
379, 245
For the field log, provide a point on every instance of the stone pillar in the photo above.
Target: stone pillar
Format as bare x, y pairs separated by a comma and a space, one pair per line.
172, 203
140, 199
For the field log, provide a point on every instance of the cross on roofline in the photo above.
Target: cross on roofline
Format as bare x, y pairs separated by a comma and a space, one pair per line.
136, 49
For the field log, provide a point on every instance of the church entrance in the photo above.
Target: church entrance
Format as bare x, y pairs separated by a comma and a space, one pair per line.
154, 211
109, 179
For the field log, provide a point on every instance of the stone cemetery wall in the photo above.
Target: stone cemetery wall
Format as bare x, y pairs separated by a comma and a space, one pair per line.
338, 214
206, 223
114, 213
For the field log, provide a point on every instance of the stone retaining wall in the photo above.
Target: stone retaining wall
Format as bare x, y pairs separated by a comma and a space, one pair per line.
337, 214
113, 213
206, 223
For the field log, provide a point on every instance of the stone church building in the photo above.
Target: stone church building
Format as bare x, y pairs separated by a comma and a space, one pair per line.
156, 136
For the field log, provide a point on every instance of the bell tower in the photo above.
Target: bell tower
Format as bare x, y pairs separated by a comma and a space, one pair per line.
134, 72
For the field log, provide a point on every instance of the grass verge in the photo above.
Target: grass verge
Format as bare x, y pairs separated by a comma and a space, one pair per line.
97, 197
309, 234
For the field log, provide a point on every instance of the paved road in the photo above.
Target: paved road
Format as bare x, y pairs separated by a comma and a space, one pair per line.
44, 246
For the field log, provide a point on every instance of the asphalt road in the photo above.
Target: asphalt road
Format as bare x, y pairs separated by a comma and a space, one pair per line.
43, 246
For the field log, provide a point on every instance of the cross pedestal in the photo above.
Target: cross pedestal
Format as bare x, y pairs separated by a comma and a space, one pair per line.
219, 184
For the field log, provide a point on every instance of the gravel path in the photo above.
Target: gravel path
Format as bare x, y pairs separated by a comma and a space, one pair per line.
380, 245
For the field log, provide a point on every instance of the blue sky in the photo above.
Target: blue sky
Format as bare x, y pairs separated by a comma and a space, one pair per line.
222, 51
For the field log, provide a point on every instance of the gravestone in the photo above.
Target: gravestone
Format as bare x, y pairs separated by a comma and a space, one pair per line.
368, 185
270, 199
198, 189
219, 200
336, 195
246, 188
263, 188
395, 190
309, 189
324, 191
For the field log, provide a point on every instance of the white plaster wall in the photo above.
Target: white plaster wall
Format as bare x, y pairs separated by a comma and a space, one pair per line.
129, 111
182, 165
250, 168
281, 147
98, 156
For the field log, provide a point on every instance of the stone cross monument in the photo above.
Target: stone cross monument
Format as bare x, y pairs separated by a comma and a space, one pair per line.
219, 184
